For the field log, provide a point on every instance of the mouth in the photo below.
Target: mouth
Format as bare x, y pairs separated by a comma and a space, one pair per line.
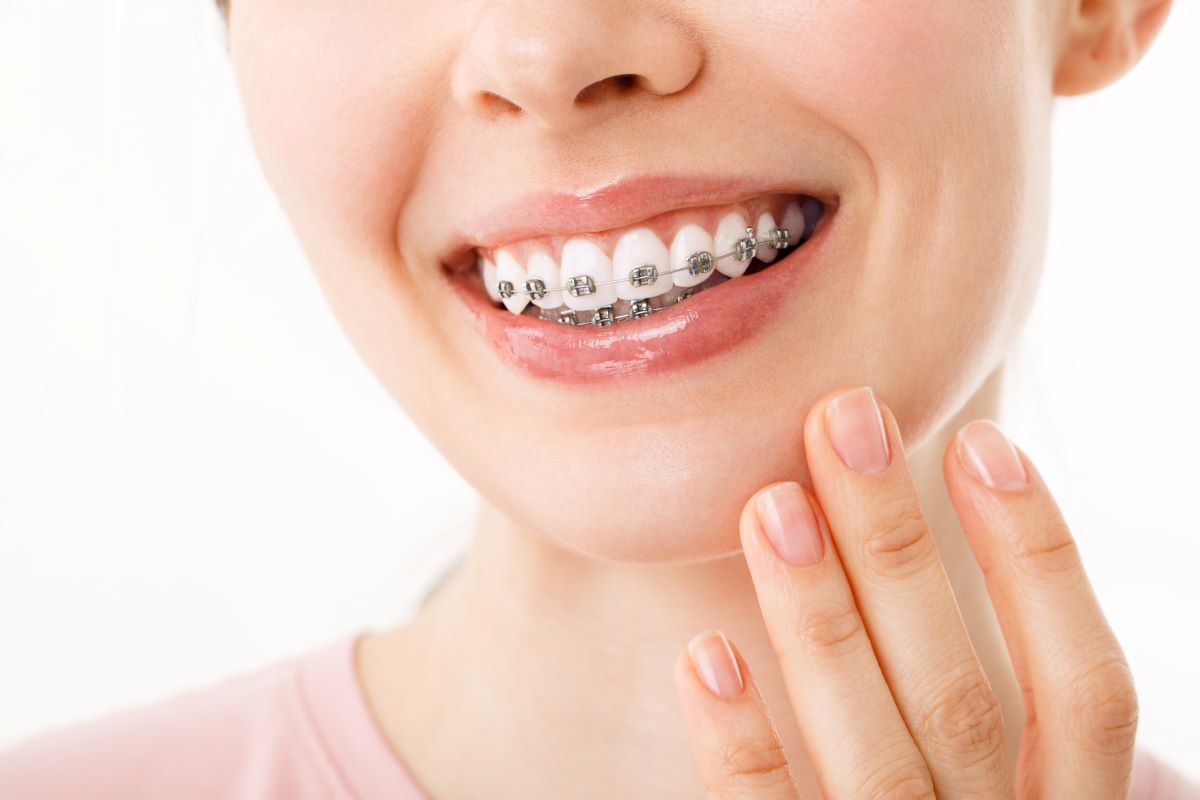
660, 291
619, 276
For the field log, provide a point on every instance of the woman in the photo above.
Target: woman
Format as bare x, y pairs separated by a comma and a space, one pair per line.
711, 303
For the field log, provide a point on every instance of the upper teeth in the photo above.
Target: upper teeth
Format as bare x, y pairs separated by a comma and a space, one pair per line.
587, 274
641, 267
642, 256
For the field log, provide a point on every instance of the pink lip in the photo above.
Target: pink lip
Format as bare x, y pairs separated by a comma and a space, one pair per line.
611, 205
713, 321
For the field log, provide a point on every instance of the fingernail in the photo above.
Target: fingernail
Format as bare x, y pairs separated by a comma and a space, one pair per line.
790, 524
989, 457
856, 430
715, 664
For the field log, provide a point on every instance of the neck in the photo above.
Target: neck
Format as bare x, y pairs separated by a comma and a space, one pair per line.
541, 669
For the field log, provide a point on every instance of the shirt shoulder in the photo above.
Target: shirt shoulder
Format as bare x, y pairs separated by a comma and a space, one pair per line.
1155, 780
299, 729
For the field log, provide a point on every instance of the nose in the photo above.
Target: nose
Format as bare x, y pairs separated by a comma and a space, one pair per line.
565, 62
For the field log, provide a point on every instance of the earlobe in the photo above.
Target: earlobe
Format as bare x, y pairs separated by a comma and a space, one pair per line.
1103, 39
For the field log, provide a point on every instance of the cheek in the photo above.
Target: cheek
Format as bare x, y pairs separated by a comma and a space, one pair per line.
946, 103
334, 109
334, 101
901, 73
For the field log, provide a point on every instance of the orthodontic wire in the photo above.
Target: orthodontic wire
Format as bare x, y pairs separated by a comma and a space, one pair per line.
698, 263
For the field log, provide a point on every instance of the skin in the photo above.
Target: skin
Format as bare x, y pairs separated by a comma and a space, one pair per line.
545, 662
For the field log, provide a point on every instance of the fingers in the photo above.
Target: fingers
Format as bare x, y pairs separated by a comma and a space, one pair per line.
859, 473
852, 729
734, 743
1081, 705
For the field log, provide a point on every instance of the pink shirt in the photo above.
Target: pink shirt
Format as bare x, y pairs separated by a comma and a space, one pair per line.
298, 730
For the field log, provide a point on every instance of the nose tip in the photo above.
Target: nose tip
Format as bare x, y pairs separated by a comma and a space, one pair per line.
563, 63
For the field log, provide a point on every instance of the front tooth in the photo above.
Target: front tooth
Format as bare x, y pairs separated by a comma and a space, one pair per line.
690, 239
729, 231
766, 224
487, 273
793, 220
582, 258
542, 265
509, 269
640, 248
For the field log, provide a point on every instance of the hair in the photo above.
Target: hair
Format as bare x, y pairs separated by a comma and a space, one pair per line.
223, 6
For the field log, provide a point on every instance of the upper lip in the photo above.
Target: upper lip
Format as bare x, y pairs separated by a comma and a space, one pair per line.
611, 205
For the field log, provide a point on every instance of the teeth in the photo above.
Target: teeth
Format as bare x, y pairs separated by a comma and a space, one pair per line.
542, 265
487, 272
766, 224
580, 259
690, 239
642, 267
812, 211
729, 231
641, 248
509, 269
793, 220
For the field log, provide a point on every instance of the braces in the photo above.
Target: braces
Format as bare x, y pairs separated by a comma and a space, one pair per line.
698, 263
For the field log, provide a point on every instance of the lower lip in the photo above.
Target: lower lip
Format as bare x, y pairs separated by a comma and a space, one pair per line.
713, 321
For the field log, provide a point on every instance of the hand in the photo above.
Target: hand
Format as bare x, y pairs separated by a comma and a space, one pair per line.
884, 684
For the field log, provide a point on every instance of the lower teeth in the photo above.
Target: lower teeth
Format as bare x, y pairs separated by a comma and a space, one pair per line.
624, 310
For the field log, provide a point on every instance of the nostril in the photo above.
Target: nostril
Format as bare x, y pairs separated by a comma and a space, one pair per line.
497, 104
612, 86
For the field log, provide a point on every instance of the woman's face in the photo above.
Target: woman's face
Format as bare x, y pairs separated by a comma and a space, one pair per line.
406, 139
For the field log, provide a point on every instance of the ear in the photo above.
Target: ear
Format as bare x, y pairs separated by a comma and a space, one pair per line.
1101, 39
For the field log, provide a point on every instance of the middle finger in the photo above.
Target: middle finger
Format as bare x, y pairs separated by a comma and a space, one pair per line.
856, 460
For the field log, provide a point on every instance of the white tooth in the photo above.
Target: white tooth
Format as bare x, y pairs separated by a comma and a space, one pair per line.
637, 248
509, 269
729, 231
766, 224
793, 220
581, 257
542, 265
690, 239
487, 273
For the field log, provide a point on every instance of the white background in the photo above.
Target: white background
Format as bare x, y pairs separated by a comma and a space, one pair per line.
198, 477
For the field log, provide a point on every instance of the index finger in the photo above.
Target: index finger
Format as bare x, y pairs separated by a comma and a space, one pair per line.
734, 743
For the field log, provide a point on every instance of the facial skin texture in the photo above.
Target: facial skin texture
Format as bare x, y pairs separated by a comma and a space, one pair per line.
377, 132
383, 127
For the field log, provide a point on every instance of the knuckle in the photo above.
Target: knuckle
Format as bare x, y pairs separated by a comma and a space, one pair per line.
830, 630
1047, 550
965, 722
756, 764
1102, 713
905, 780
898, 542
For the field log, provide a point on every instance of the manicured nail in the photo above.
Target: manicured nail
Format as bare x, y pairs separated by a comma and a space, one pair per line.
856, 430
989, 457
790, 524
715, 664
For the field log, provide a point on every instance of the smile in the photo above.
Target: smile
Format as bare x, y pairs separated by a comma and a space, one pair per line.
620, 276
561, 296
